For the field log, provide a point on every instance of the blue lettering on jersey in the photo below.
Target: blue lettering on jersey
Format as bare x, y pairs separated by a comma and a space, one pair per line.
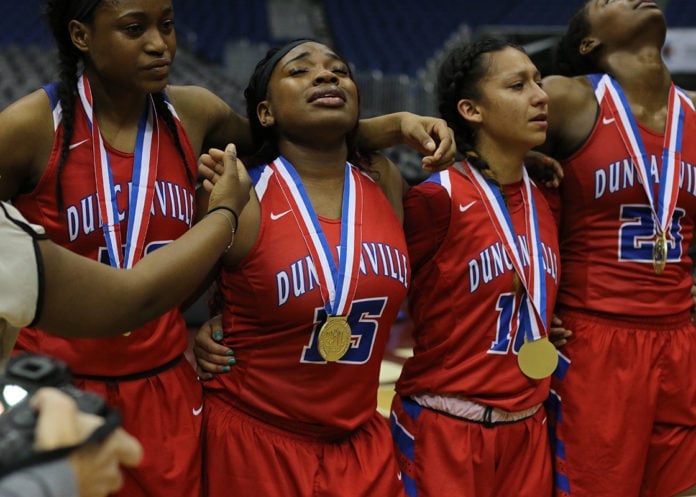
170, 200
494, 261
621, 175
379, 259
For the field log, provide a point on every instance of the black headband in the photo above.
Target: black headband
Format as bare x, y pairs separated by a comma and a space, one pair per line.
265, 74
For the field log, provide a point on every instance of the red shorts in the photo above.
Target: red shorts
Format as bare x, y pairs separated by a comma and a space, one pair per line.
441, 455
625, 409
164, 412
245, 456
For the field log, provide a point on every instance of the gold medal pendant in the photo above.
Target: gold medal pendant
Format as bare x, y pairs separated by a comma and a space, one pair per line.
538, 359
660, 253
334, 338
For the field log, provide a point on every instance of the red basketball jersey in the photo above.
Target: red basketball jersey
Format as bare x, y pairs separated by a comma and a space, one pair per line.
607, 230
76, 226
462, 298
273, 308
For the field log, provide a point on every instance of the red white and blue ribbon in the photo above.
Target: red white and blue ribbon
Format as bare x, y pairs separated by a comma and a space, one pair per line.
668, 185
534, 281
337, 283
142, 187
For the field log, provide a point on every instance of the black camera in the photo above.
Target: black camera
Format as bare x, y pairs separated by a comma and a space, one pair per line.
24, 374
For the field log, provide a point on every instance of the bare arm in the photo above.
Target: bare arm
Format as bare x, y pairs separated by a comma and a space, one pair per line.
209, 121
26, 138
249, 218
572, 113
428, 135
389, 178
85, 298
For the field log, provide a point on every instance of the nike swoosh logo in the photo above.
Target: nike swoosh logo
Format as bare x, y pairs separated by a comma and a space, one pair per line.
464, 208
607, 121
275, 217
196, 412
75, 145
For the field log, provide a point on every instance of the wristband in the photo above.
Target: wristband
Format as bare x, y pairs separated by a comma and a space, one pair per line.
233, 228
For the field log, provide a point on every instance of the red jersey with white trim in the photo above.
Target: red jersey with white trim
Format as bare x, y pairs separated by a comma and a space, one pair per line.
273, 309
76, 226
462, 298
607, 230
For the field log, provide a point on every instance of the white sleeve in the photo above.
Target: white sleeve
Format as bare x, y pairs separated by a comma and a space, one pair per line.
21, 268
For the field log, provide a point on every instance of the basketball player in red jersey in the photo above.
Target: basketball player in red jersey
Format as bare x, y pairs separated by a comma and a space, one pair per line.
311, 288
626, 402
74, 296
112, 141
468, 418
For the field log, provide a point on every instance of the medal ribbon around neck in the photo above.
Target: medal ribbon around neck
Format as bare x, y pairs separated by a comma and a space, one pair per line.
668, 187
337, 284
535, 284
142, 187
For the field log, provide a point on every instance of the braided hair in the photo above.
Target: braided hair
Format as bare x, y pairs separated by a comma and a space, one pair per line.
58, 14
459, 74
264, 139
568, 61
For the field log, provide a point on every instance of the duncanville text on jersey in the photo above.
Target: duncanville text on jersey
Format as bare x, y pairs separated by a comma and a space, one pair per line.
494, 260
621, 174
376, 258
170, 200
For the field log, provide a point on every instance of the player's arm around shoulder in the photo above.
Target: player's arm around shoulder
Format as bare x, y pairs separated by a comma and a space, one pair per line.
389, 178
572, 111
209, 121
26, 139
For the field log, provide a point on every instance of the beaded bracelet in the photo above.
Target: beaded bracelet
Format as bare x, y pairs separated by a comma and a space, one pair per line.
233, 229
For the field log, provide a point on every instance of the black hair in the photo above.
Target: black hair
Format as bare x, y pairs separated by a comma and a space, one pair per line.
459, 75
264, 139
58, 14
567, 59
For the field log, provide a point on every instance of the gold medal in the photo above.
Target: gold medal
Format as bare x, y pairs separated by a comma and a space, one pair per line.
334, 338
538, 359
660, 253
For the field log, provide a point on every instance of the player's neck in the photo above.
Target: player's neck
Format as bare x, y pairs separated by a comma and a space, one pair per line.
646, 82
115, 106
319, 163
505, 164
642, 74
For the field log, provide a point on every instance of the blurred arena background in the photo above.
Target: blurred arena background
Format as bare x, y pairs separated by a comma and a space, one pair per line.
394, 45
